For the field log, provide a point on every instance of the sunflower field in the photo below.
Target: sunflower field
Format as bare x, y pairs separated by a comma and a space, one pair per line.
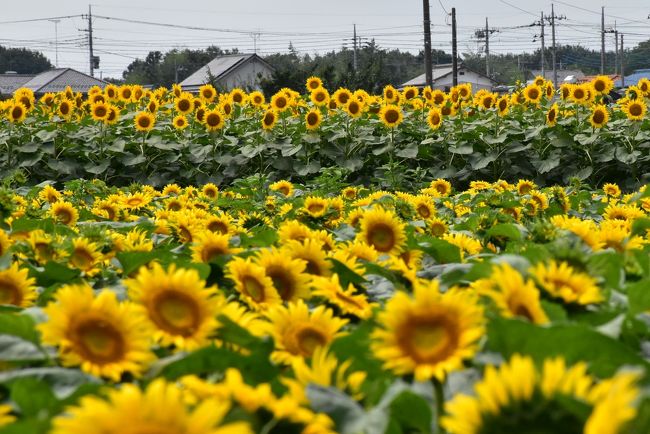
411, 262
396, 140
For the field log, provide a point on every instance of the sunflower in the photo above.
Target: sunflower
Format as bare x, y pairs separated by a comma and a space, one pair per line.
579, 94
5, 243
213, 120
106, 337
153, 105
354, 108
320, 97
287, 273
210, 245
467, 244
503, 105
512, 296
517, 397
434, 118
348, 301
441, 186
342, 96
635, 110
126, 93
382, 230
256, 98
313, 83
177, 303
254, 286
551, 115
564, 282
85, 255
17, 112
180, 122
315, 206
533, 94
612, 190
602, 84
283, 186
162, 409
525, 186
99, 111
49, 194
144, 121
311, 251
391, 95
65, 109
313, 119
297, 332
64, 213
599, 116
184, 104
487, 101
16, 288
5, 415
238, 96
430, 334
208, 93
269, 119
391, 115
280, 102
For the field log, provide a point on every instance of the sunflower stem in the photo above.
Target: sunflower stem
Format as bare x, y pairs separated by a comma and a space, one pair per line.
438, 390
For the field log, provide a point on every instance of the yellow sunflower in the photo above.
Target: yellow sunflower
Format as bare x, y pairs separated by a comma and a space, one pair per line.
256, 98
85, 255
313, 119
99, 111
320, 97
313, 83
599, 116
208, 93
105, 337
434, 118
144, 121
286, 273
347, 300
254, 286
635, 110
383, 230
430, 334
49, 194
16, 288
177, 303
311, 251
512, 296
564, 282
533, 94
213, 120
441, 186
517, 397
297, 332
184, 104
64, 213
161, 409
180, 122
269, 119
5, 415
391, 115
602, 84
280, 102
551, 115
315, 206
354, 108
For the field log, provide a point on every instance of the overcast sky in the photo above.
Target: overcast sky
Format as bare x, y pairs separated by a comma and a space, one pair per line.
310, 26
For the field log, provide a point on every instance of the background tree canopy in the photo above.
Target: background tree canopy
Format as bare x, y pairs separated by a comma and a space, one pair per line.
23, 61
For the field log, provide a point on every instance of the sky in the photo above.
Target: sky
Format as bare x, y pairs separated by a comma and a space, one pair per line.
268, 26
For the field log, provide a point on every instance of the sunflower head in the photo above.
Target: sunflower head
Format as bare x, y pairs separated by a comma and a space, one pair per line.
599, 116
383, 230
434, 118
313, 83
144, 121
213, 120
391, 115
313, 119
269, 119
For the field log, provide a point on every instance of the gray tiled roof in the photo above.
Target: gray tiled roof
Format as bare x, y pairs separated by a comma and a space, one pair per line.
219, 67
56, 80
561, 73
10, 82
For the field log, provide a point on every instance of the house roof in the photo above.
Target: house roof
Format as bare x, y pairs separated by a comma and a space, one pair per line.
10, 82
54, 80
439, 71
633, 79
561, 73
220, 67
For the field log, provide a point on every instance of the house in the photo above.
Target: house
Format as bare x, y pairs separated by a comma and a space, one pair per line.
443, 78
54, 80
563, 75
633, 79
590, 78
230, 71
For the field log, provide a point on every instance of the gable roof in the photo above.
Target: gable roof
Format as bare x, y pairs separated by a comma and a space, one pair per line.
10, 82
56, 80
561, 73
439, 71
219, 67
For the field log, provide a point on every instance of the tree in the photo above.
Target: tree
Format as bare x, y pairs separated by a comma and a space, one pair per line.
23, 61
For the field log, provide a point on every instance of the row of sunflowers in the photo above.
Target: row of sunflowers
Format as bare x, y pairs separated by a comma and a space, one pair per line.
127, 133
504, 307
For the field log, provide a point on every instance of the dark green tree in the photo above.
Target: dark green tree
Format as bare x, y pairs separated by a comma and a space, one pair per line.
23, 61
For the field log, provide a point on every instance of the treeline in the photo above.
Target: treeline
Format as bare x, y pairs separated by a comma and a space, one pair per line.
23, 61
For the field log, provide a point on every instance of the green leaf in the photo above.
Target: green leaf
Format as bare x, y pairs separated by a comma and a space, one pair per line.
346, 275
608, 265
412, 412
33, 397
506, 230
62, 381
53, 273
22, 326
132, 261
440, 250
573, 342
638, 295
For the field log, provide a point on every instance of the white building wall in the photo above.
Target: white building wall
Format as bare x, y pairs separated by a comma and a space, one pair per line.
464, 76
246, 76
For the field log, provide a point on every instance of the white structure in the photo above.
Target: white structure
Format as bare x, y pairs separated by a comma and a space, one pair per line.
230, 71
443, 78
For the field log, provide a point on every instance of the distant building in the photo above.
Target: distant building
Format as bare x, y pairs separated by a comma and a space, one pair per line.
54, 80
589, 78
633, 79
563, 75
443, 78
228, 72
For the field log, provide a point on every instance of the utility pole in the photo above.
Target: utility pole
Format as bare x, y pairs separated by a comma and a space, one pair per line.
454, 48
91, 56
487, 48
428, 65
354, 62
543, 47
56, 41
554, 48
616, 51
622, 62
602, 40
